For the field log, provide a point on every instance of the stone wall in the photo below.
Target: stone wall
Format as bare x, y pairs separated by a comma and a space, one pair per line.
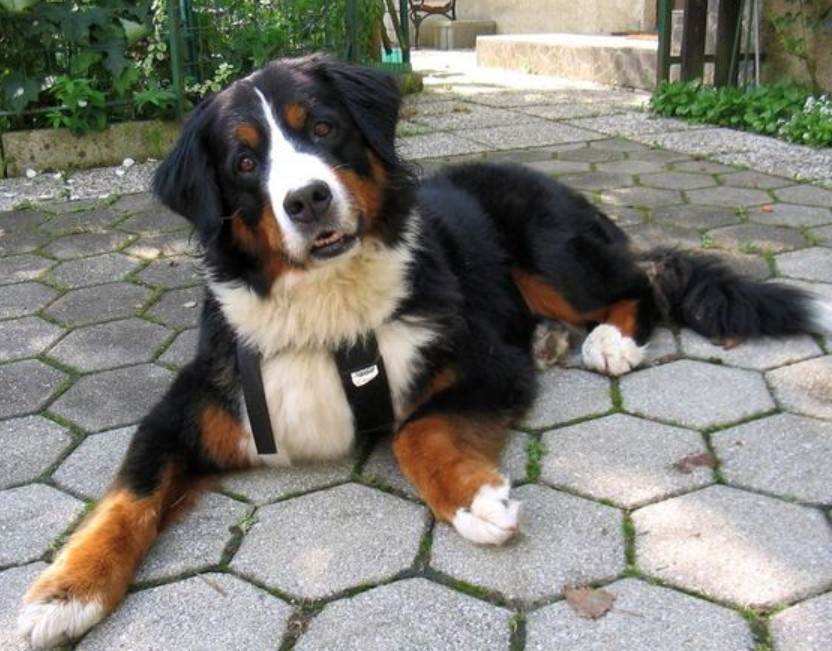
781, 67
539, 16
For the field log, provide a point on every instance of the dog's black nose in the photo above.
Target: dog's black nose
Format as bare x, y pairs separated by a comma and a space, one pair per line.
309, 203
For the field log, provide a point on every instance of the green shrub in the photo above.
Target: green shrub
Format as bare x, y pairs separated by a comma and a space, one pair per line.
777, 110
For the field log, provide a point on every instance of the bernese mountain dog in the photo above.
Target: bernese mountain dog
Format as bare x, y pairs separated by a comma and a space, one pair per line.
316, 235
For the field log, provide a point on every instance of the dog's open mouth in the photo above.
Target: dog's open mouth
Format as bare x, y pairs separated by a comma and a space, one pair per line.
329, 244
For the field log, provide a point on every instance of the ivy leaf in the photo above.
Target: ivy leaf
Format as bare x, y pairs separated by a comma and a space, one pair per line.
133, 31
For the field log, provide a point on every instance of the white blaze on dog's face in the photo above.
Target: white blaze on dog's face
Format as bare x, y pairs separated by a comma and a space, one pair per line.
316, 215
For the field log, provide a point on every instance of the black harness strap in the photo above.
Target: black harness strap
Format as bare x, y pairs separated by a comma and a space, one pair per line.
251, 378
364, 379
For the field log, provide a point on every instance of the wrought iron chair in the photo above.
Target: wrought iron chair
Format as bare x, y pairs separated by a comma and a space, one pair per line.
422, 9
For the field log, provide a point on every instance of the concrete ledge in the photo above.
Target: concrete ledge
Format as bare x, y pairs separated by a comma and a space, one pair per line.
59, 149
461, 34
614, 60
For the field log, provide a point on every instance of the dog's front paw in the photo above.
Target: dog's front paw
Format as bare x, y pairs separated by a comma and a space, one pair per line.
53, 613
492, 517
608, 351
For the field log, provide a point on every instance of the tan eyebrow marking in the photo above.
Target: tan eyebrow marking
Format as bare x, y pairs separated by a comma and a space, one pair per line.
295, 115
247, 134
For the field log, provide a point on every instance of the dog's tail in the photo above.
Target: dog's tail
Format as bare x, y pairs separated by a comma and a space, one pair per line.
704, 294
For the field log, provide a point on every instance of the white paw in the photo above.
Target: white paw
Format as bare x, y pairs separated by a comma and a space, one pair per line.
491, 518
45, 624
608, 351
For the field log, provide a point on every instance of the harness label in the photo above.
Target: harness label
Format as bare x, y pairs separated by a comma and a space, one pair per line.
364, 375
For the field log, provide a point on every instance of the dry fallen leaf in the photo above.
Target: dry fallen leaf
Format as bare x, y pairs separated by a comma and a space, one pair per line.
589, 603
767, 208
687, 464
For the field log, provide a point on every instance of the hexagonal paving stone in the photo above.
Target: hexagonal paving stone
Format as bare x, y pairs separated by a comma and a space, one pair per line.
664, 392
113, 398
563, 540
814, 263
626, 460
808, 195
661, 156
179, 308
382, 469
133, 203
26, 337
82, 221
728, 196
357, 535
94, 270
822, 235
155, 219
677, 180
172, 272
24, 298
210, 612
31, 517
647, 236
264, 485
759, 354
805, 388
638, 196
116, 343
150, 247
26, 386
784, 454
15, 221
13, 585
30, 445
17, 268
558, 166
413, 614
630, 167
597, 180
99, 303
618, 144
695, 216
804, 627
195, 542
787, 214
567, 394
758, 236
735, 546
92, 466
751, 179
22, 242
590, 155
85, 244
643, 616
183, 348
703, 167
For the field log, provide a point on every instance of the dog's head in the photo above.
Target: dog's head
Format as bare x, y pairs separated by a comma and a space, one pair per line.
291, 168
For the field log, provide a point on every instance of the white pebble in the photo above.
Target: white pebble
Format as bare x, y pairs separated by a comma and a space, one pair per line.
128, 163
30, 173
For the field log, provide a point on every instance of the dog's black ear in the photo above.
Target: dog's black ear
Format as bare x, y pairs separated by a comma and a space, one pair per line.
186, 181
373, 99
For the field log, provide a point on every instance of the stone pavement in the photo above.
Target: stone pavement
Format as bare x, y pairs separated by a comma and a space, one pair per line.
697, 490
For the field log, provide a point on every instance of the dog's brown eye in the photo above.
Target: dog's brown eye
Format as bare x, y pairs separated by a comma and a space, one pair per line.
246, 164
322, 129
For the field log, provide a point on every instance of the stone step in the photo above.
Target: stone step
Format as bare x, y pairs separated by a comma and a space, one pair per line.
614, 60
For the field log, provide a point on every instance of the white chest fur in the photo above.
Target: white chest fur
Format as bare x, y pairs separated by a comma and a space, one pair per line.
310, 416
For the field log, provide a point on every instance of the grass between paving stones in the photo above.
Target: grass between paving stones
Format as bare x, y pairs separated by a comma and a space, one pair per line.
534, 453
517, 632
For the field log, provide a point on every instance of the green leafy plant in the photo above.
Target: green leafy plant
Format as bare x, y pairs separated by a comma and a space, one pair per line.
155, 102
81, 109
778, 110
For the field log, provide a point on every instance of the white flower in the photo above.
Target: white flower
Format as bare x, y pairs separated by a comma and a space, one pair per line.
82, 103
19, 91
